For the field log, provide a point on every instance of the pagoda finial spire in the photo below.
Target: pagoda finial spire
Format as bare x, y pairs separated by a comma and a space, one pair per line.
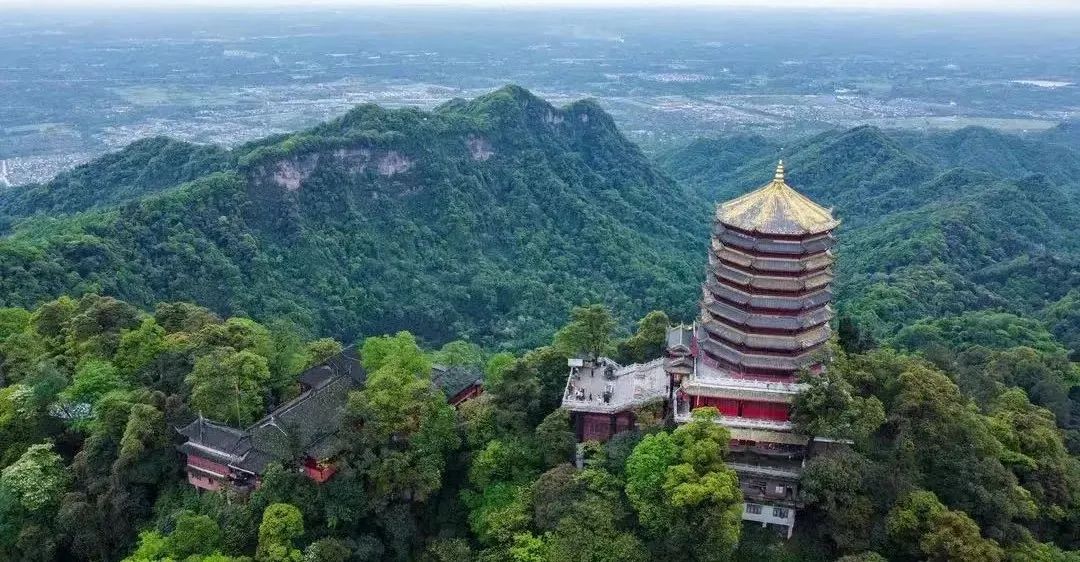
779, 171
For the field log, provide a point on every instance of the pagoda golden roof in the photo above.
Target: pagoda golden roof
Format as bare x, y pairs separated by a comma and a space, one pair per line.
776, 208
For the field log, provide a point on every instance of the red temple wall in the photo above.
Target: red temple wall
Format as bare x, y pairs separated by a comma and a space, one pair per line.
776, 411
207, 464
596, 427
600, 427
318, 472
468, 393
203, 482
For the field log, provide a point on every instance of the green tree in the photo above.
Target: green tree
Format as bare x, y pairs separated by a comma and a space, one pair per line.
923, 528
400, 349
229, 385
193, 534
94, 379
460, 353
684, 494
320, 350
835, 485
13, 320
281, 526
584, 516
555, 438
327, 550
496, 366
648, 341
646, 472
144, 454
139, 347
448, 550
829, 407
30, 492
37, 480
406, 427
589, 331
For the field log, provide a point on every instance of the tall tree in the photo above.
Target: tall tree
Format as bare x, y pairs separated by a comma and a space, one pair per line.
648, 341
281, 526
402, 425
229, 385
684, 494
589, 331
924, 529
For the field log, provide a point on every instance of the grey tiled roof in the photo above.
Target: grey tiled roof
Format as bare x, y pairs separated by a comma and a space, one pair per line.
731, 314
776, 264
762, 243
762, 360
303, 426
733, 295
453, 380
679, 337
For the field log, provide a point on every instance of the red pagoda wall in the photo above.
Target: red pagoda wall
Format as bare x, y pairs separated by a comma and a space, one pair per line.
754, 409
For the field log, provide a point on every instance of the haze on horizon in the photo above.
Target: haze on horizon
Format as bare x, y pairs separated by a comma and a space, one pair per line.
868, 5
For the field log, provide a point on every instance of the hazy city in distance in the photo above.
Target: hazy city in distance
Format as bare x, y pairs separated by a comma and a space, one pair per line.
74, 85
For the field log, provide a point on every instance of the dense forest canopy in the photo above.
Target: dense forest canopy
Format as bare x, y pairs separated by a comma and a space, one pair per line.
171, 280
487, 219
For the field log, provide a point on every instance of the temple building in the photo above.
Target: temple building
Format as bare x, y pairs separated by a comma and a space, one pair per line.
765, 313
303, 432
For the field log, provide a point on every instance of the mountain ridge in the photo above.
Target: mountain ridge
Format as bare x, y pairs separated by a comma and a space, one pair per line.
487, 219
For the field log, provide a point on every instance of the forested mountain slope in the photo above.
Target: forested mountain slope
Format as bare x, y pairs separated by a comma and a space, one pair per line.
933, 224
487, 218
143, 167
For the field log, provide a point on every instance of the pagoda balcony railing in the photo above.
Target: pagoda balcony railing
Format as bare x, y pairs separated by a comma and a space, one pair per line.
776, 472
718, 381
683, 415
596, 405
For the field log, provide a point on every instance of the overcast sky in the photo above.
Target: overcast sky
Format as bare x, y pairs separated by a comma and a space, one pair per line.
967, 5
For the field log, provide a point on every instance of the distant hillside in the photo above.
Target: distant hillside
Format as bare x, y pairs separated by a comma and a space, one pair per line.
933, 224
487, 218
1006, 156
143, 167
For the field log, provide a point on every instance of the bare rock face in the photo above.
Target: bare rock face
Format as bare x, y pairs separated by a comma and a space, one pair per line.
393, 163
553, 118
290, 173
479, 148
357, 159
